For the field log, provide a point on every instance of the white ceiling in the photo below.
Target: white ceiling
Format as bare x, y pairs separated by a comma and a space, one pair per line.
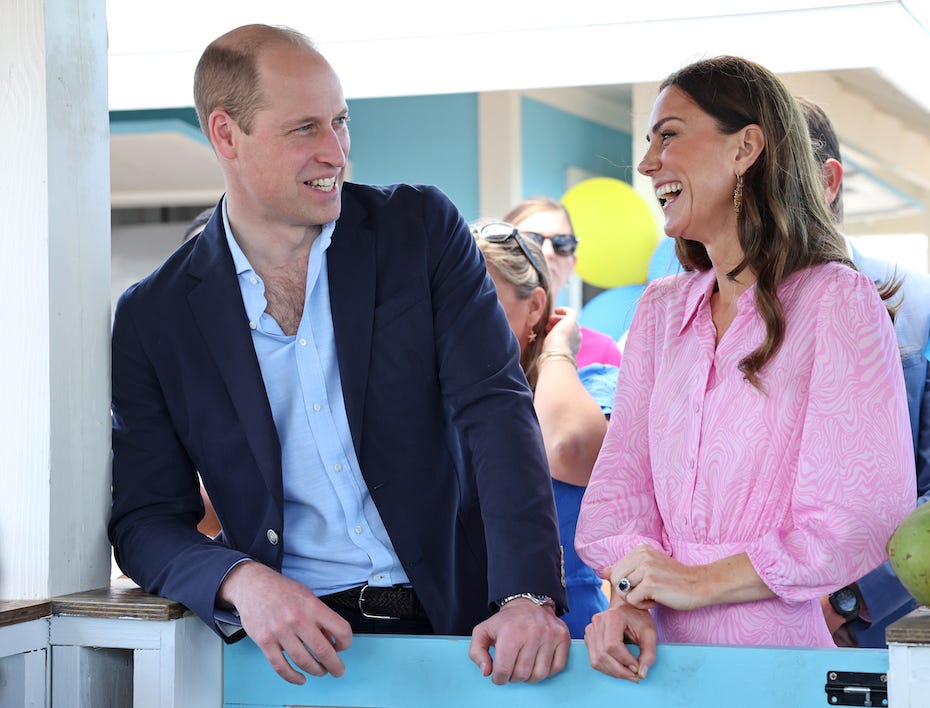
588, 52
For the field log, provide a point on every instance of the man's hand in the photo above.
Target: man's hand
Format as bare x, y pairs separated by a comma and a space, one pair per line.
530, 643
605, 638
282, 615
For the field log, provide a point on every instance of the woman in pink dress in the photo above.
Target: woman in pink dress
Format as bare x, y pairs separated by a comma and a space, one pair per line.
759, 454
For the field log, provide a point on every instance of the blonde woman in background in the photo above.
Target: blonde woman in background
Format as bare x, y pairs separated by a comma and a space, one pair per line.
573, 423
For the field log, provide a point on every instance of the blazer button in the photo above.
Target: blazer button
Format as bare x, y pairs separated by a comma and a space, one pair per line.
272, 537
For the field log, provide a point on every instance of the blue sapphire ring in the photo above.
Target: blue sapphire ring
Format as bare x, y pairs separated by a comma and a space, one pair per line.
624, 585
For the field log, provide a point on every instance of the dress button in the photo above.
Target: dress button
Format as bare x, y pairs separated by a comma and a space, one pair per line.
272, 537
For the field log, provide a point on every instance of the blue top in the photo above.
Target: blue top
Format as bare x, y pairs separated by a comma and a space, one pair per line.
585, 597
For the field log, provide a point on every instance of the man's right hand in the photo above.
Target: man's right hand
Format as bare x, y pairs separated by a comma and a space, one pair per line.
281, 615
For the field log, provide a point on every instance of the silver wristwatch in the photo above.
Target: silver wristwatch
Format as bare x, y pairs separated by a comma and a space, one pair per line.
541, 600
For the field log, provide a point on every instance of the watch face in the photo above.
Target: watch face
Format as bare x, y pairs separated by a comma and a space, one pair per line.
845, 601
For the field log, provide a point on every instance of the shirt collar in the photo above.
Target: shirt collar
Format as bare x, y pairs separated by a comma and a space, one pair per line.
242, 263
700, 288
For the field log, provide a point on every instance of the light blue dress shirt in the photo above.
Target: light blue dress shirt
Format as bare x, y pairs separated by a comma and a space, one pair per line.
333, 536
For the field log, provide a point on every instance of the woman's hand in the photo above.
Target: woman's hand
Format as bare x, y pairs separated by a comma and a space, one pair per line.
562, 331
605, 639
654, 578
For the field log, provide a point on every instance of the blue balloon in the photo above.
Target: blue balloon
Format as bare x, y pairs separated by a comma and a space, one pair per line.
664, 261
611, 311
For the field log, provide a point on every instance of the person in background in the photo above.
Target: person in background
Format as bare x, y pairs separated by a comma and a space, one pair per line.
319, 354
198, 223
858, 613
758, 455
547, 222
571, 402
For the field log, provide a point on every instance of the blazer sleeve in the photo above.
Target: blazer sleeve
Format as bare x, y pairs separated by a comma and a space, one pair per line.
492, 408
156, 497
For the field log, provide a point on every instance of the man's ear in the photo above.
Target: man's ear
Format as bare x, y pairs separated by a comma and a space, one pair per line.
751, 143
223, 131
832, 179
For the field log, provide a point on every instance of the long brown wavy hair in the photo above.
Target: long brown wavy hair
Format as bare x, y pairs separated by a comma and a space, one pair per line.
783, 224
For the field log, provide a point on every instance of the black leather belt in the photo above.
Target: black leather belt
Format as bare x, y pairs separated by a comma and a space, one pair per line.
397, 602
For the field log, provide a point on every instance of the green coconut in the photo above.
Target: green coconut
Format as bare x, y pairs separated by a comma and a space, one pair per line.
909, 553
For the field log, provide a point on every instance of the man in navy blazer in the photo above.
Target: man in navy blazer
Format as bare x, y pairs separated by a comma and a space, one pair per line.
861, 612
332, 360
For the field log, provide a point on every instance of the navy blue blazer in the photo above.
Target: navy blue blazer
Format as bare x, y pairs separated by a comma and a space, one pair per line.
884, 595
440, 414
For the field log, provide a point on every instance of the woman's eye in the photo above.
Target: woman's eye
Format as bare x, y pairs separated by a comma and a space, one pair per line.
666, 135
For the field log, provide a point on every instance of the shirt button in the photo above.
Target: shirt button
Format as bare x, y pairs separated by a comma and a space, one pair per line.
252, 325
272, 537
253, 280
378, 578
303, 342
337, 467
697, 407
316, 407
358, 530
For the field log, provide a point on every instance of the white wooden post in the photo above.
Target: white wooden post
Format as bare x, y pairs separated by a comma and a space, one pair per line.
909, 660
54, 365
500, 153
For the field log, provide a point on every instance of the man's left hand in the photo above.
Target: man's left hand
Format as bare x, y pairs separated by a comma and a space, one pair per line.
530, 643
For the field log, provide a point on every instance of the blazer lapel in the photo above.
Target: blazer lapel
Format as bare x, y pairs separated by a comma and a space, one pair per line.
351, 265
217, 306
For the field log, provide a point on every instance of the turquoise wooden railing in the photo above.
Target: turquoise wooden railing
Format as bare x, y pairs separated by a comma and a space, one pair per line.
435, 672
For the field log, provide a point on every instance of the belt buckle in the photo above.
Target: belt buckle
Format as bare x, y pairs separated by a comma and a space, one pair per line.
361, 607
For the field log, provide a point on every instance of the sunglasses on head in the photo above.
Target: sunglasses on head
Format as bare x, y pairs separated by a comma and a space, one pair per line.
500, 232
562, 244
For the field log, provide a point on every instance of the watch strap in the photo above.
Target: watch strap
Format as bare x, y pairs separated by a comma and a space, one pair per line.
540, 600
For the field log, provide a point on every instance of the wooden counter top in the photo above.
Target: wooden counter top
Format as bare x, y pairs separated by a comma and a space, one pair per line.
18, 611
911, 629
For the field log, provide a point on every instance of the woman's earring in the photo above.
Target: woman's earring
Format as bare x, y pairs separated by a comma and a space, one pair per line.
738, 195
532, 336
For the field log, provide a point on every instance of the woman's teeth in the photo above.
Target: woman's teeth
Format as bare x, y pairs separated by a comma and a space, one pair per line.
667, 192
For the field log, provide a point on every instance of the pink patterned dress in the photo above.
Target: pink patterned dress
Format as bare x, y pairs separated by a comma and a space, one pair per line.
809, 478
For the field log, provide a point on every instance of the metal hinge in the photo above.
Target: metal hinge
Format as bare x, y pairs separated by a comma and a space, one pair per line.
853, 688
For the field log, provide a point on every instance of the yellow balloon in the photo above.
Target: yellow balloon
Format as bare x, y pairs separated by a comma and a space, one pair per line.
616, 231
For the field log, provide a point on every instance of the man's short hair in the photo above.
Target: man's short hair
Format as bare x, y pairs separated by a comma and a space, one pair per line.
825, 143
227, 74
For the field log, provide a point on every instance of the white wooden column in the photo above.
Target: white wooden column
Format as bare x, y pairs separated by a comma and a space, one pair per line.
644, 96
500, 152
54, 362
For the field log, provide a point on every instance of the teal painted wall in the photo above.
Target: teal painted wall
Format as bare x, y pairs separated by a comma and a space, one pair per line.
434, 140
554, 140
422, 139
